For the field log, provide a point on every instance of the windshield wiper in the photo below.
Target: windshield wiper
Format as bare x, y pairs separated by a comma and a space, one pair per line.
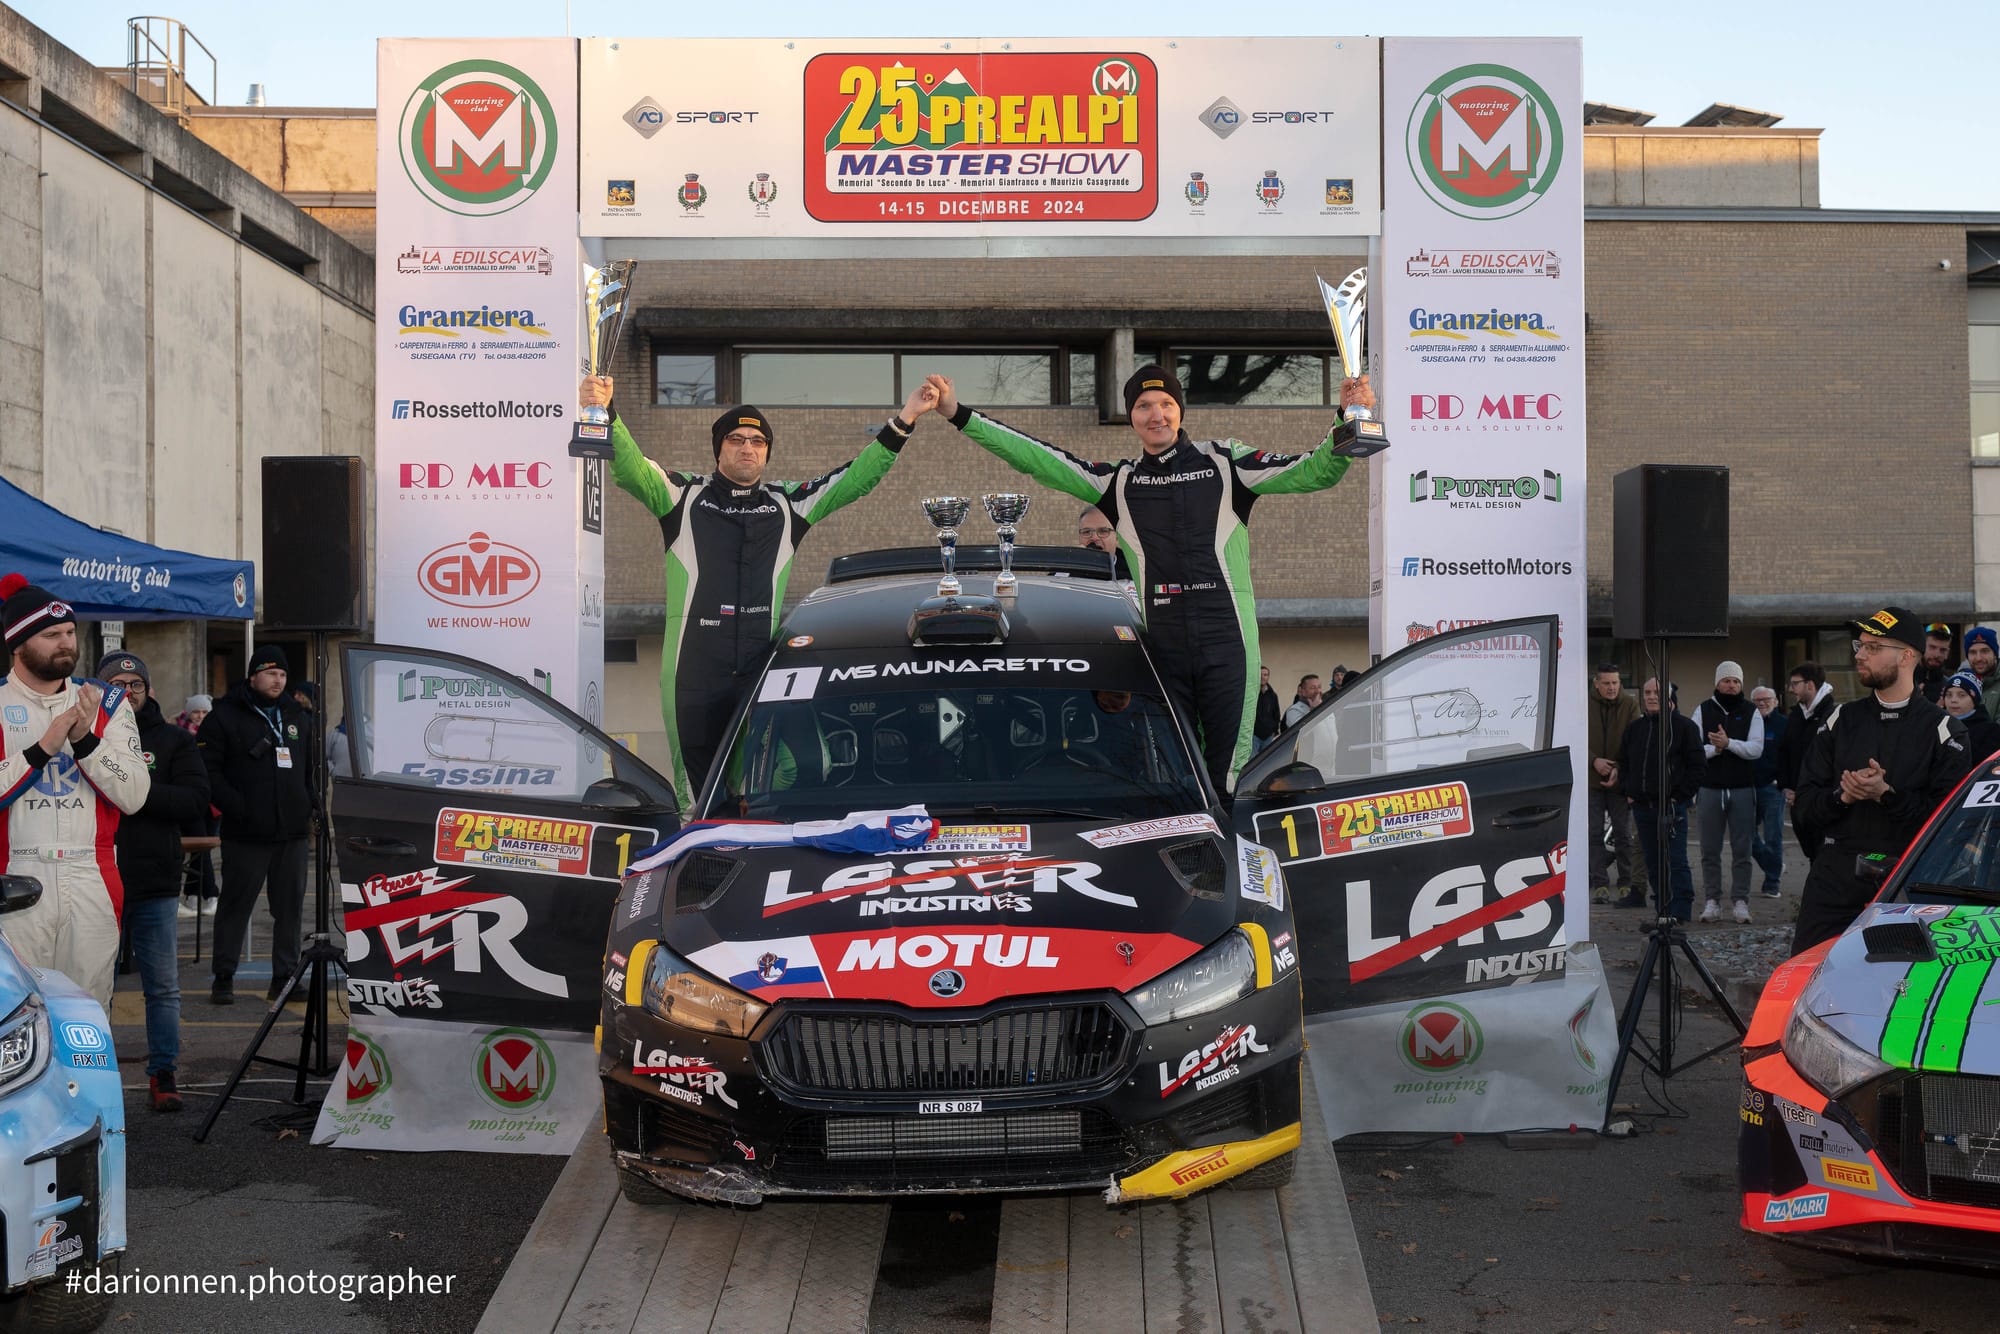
1949, 891
996, 813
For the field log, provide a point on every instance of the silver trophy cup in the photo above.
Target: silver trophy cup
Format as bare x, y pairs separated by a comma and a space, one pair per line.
605, 294
1005, 508
1359, 434
946, 513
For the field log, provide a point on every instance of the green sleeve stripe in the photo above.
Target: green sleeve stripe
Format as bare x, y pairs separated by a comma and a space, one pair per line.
1294, 473
847, 483
638, 476
1052, 467
1906, 1016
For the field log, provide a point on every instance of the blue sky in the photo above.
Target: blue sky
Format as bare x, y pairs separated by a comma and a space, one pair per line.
1904, 95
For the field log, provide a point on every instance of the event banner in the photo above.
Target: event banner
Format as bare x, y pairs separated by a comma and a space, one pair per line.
1509, 1058
489, 537
902, 137
415, 1086
1477, 513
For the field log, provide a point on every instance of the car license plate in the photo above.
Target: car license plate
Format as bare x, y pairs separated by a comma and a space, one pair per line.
949, 1108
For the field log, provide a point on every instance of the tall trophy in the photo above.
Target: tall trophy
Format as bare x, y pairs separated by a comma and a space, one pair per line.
954, 617
946, 513
1359, 434
605, 294
1005, 508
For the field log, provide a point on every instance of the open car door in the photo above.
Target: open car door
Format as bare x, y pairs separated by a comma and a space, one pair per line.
481, 833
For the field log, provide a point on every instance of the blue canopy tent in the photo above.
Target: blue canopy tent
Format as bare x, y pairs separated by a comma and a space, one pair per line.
105, 576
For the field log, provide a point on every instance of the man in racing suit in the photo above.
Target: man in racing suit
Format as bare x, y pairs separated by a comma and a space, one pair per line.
1182, 511
1874, 775
70, 766
730, 537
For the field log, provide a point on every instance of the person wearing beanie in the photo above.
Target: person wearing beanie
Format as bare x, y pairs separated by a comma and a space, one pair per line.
1963, 698
1732, 739
730, 536
1982, 655
1182, 512
71, 768
1874, 774
207, 889
149, 860
257, 747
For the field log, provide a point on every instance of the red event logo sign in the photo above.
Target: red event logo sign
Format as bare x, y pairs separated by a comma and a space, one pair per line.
938, 137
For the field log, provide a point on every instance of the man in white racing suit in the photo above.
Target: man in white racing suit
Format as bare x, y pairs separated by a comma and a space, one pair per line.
70, 767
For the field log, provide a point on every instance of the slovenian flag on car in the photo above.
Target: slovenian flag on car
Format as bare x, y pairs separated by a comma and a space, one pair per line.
864, 831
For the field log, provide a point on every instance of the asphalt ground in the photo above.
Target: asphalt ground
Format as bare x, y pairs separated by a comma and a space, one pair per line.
259, 1204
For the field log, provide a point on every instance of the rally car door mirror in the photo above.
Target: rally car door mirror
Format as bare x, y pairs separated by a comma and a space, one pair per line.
612, 794
1294, 777
1871, 868
18, 892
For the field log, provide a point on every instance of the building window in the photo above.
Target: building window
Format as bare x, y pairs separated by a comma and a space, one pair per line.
1983, 362
684, 379
1252, 377
831, 379
1082, 379
621, 650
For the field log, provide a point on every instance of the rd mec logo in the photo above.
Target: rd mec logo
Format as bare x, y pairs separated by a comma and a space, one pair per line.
1484, 141
477, 137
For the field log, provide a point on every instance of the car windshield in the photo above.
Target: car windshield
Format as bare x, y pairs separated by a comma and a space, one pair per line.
1960, 861
963, 748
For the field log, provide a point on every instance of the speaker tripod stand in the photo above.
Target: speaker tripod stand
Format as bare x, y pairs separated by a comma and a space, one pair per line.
1666, 935
324, 950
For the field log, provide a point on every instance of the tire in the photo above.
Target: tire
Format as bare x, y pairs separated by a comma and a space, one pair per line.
1267, 1176
48, 1308
643, 1192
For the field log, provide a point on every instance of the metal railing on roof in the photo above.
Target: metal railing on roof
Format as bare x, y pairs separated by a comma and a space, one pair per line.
156, 55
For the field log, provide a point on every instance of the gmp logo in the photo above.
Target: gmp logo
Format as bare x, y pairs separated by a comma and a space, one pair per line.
1439, 1036
1484, 141
477, 137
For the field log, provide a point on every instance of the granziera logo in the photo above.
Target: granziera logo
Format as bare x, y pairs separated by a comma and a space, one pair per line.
366, 1069
1484, 141
514, 1068
477, 137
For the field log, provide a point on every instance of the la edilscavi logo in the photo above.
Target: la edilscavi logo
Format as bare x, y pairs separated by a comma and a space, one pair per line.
478, 137
1484, 141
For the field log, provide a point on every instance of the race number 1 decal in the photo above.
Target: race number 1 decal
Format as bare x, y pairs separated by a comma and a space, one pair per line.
789, 683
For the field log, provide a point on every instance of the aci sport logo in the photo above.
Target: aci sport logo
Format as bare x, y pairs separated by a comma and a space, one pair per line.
1484, 141
514, 1069
1438, 1037
477, 137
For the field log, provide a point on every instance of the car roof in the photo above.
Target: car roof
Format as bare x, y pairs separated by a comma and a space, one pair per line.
1048, 609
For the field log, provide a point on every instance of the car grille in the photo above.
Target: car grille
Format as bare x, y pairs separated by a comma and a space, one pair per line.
1046, 1048
992, 1149
1940, 1136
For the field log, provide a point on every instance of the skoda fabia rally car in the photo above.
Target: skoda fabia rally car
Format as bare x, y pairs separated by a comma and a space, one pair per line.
966, 916
1871, 1096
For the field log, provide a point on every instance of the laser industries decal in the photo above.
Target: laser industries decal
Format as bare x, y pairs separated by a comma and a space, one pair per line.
965, 137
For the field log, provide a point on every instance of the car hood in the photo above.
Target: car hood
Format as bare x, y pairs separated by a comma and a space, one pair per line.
981, 913
17, 981
1931, 1014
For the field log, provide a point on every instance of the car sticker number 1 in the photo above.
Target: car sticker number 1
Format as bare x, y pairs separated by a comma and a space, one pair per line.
962, 1105
789, 683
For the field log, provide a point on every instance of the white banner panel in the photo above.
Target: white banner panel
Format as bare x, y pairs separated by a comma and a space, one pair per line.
489, 537
1477, 327
412, 1084
899, 137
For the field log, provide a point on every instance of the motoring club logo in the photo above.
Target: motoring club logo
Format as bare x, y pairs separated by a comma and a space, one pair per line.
1484, 141
479, 572
366, 1069
477, 137
1438, 1036
514, 1068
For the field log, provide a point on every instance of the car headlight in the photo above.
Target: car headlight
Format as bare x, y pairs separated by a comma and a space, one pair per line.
1828, 1061
24, 1044
676, 992
1226, 971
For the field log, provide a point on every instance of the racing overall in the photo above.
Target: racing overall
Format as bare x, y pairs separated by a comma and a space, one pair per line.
60, 821
729, 555
1182, 517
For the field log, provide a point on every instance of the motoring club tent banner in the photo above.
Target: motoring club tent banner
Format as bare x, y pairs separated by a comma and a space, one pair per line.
1114, 137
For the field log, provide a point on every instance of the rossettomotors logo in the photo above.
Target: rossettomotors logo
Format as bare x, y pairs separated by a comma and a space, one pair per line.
479, 572
514, 1068
478, 137
1484, 141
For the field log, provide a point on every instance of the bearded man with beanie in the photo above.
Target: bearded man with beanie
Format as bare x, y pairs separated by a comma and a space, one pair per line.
1732, 738
258, 747
730, 537
1874, 774
149, 859
1182, 513
70, 769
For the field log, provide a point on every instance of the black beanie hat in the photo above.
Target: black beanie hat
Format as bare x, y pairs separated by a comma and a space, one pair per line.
270, 656
741, 415
26, 611
1153, 377
122, 663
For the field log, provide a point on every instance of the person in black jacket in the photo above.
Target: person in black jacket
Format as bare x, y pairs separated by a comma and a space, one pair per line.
1639, 780
149, 864
1733, 738
1812, 706
258, 746
1875, 774
1270, 721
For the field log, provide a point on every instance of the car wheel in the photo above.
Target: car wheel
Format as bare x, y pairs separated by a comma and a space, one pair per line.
48, 1308
640, 1190
1267, 1176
